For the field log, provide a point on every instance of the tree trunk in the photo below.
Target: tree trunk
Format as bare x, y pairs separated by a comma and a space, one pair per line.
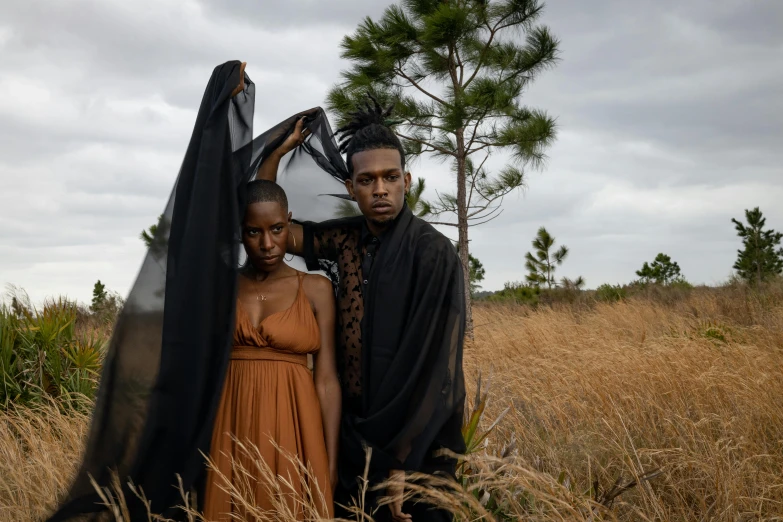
462, 225
758, 257
548, 269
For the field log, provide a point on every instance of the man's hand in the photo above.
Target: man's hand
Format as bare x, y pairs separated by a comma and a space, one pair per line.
396, 491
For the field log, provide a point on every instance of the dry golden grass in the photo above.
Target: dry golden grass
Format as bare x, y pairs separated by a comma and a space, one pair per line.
39, 450
691, 386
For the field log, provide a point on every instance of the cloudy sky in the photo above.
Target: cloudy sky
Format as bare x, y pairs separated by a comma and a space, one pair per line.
670, 123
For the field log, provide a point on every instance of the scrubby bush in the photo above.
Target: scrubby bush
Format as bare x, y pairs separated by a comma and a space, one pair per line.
610, 293
516, 292
48, 353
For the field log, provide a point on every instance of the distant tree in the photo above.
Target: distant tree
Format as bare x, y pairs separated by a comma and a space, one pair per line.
759, 259
417, 205
148, 235
662, 271
573, 284
541, 266
476, 274
98, 297
157, 238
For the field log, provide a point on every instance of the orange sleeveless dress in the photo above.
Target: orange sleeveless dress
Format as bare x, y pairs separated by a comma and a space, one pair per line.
269, 395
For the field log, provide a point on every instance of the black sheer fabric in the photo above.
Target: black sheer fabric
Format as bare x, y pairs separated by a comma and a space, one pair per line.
164, 371
164, 368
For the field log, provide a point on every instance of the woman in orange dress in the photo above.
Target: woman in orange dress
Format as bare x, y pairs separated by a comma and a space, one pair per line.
270, 397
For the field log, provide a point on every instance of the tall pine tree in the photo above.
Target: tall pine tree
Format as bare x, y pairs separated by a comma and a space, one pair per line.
759, 258
457, 70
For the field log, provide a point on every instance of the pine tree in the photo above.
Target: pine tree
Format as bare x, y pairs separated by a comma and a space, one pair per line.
157, 238
457, 70
98, 297
418, 206
573, 284
662, 271
759, 259
541, 266
148, 236
477, 273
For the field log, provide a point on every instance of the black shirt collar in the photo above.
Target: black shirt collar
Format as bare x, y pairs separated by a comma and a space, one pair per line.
368, 236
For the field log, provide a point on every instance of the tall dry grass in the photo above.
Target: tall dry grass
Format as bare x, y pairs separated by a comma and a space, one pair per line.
686, 389
692, 386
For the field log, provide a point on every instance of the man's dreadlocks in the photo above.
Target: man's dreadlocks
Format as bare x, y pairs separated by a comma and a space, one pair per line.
367, 129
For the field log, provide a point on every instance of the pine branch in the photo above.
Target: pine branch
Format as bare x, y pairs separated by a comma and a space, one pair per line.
474, 179
461, 66
475, 129
427, 144
419, 87
475, 215
482, 57
488, 220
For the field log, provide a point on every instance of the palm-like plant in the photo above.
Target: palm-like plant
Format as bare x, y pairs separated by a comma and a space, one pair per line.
43, 357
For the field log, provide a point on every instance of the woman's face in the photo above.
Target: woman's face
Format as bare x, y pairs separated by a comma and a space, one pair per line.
265, 234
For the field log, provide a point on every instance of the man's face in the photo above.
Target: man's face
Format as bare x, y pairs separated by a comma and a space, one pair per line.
378, 184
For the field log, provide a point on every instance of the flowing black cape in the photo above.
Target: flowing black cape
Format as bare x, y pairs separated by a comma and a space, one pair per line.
169, 350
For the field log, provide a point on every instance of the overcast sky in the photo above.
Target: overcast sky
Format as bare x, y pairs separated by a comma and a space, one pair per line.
670, 122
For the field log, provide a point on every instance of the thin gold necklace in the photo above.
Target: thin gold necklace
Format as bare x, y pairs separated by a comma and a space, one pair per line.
259, 296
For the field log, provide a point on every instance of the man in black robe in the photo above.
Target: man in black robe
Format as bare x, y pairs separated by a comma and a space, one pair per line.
401, 311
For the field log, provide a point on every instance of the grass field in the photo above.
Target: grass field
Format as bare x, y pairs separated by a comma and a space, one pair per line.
680, 393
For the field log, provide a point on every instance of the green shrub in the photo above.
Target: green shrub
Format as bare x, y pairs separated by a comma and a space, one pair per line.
515, 292
43, 357
610, 293
681, 284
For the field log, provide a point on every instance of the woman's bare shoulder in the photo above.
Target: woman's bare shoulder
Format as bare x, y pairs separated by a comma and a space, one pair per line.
316, 285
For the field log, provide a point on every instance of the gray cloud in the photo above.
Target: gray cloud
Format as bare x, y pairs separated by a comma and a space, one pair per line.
670, 123
304, 13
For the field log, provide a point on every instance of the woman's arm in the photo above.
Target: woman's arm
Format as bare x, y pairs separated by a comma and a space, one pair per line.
327, 386
268, 169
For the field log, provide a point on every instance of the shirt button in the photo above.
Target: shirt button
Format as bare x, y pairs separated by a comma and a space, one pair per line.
369, 254
375, 240
365, 281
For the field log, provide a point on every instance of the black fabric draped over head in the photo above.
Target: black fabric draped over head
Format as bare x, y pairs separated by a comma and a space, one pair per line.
164, 370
